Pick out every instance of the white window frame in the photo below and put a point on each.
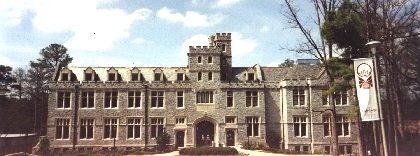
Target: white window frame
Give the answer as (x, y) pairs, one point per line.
(343, 123)
(232, 99)
(178, 98)
(155, 104)
(204, 97)
(341, 98)
(253, 122)
(300, 122)
(250, 96)
(158, 123)
(136, 97)
(89, 104)
(62, 100)
(230, 119)
(300, 94)
(110, 99)
(134, 123)
(88, 123)
(111, 122)
(62, 123)
(180, 120)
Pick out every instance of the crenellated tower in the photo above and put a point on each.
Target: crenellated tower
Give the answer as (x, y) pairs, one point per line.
(213, 62)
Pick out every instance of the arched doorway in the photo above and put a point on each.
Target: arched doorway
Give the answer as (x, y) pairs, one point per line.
(230, 138)
(180, 139)
(204, 133)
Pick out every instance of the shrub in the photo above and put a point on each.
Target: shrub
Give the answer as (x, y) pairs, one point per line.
(253, 145)
(162, 140)
(209, 151)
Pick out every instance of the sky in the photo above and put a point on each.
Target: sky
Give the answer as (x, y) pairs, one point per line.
(144, 33)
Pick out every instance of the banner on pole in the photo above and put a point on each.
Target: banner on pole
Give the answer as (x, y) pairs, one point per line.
(366, 89)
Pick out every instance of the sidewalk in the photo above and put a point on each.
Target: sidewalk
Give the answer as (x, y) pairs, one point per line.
(249, 152)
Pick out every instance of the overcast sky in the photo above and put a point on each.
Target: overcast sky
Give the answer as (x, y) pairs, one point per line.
(146, 33)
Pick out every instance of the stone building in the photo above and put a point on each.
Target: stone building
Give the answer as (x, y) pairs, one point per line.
(207, 103)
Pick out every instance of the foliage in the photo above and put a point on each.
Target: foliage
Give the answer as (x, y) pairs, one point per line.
(6, 76)
(344, 28)
(254, 145)
(209, 151)
(162, 140)
(287, 63)
(44, 146)
(273, 139)
(285, 151)
(52, 55)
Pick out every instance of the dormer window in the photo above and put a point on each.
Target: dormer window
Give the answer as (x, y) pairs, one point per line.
(112, 74)
(210, 59)
(199, 59)
(157, 76)
(251, 77)
(89, 74)
(64, 76)
(135, 74)
(88, 77)
(180, 76)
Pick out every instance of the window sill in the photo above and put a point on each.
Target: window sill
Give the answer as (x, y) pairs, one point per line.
(134, 139)
(110, 108)
(63, 108)
(86, 139)
(87, 108)
(134, 108)
(157, 107)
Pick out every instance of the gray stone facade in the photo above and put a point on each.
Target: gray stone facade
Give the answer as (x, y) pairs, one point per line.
(274, 108)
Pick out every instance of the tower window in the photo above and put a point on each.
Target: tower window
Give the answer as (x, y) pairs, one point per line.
(223, 47)
(199, 59)
(199, 76)
(210, 76)
(210, 59)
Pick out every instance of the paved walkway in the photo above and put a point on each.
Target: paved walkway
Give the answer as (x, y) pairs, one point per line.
(249, 152)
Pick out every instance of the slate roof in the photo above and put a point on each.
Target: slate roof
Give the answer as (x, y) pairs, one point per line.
(299, 71)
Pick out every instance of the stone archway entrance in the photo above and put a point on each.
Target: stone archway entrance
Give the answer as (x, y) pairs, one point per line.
(204, 134)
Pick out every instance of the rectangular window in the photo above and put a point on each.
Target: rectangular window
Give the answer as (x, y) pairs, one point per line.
(157, 76)
(180, 99)
(180, 120)
(157, 99)
(343, 126)
(327, 122)
(110, 128)
(86, 129)
(134, 99)
(229, 98)
(252, 126)
(88, 99)
(180, 76)
(251, 99)
(62, 129)
(205, 97)
(156, 127)
(133, 128)
(298, 97)
(210, 76)
(63, 99)
(327, 149)
(305, 148)
(230, 119)
(300, 126)
(111, 77)
(111, 99)
(341, 97)
(88, 77)
(250, 77)
(134, 76)
(199, 76)
(64, 77)
(297, 148)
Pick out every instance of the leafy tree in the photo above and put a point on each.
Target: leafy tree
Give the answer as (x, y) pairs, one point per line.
(6, 77)
(287, 63)
(52, 55)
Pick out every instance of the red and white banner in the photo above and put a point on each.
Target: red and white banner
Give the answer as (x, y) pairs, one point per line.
(366, 89)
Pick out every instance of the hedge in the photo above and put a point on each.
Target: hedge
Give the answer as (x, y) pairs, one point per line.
(209, 151)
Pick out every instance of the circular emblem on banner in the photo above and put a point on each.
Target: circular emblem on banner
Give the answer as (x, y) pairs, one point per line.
(364, 72)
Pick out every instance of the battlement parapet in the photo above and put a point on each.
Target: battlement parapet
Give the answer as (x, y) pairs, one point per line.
(204, 49)
(223, 36)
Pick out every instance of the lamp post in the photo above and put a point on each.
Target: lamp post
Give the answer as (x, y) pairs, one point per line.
(372, 45)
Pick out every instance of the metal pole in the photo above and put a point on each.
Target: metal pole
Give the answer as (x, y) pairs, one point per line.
(373, 45)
